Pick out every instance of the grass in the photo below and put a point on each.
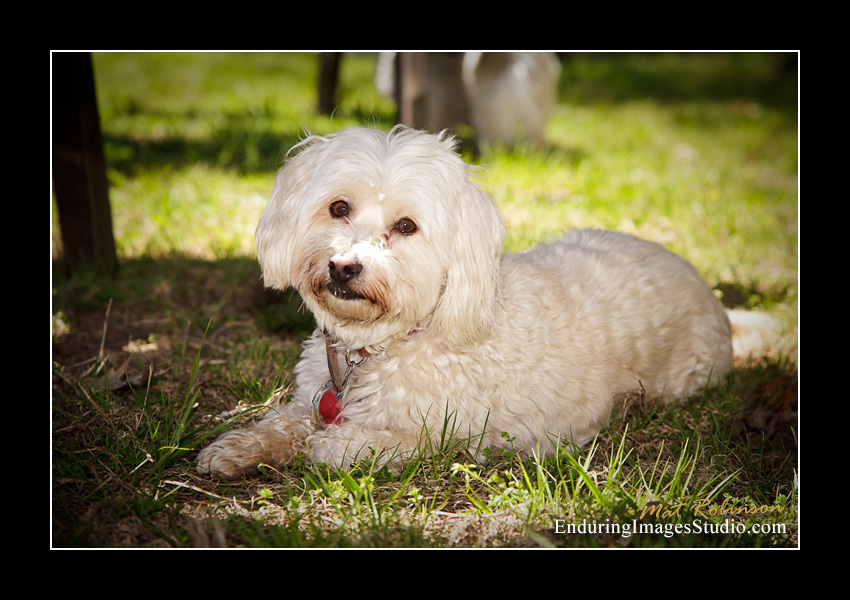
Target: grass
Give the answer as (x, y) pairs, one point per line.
(697, 151)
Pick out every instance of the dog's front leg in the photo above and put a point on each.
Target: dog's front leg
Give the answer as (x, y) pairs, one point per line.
(341, 445)
(273, 441)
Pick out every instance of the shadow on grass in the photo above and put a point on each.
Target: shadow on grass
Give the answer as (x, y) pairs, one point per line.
(243, 143)
(168, 296)
(769, 79)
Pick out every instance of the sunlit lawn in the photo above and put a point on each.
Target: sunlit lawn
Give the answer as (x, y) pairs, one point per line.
(194, 140)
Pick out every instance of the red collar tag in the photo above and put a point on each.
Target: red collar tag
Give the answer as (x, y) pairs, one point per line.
(329, 406)
(325, 405)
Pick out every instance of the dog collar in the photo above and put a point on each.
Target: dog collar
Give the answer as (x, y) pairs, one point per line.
(326, 400)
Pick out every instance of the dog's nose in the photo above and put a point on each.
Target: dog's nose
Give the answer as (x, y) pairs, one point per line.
(343, 269)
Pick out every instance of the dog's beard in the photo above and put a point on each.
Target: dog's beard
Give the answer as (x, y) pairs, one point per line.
(366, 310)
(362, 300)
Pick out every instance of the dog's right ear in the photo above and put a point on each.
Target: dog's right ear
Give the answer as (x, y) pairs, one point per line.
(274, 239)
(286, 214)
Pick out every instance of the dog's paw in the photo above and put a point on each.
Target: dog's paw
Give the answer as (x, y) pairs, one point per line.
(237, 454)
(232, 456)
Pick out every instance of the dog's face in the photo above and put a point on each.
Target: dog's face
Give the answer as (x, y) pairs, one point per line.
(383, 234)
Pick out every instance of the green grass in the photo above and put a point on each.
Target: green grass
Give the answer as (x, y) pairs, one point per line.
(697, 151)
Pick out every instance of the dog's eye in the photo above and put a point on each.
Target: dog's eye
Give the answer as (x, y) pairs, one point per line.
(406, 226)
(340, 209)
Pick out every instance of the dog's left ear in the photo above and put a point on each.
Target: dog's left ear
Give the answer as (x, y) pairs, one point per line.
(466, 311)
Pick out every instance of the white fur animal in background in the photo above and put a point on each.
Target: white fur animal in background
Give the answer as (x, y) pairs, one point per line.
(507, 97)
(511, 94)
(398, 254)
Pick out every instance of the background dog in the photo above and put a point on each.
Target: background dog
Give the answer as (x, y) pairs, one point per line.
(507, 97)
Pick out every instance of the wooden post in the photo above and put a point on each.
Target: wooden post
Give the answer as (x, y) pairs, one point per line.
(328, 74)
(79, 169)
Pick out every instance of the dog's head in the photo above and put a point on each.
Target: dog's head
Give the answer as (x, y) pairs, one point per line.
(382, 234)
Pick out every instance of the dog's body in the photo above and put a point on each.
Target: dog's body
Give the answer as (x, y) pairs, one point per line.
(397, 253)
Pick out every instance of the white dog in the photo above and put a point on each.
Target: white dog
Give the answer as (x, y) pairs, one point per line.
(422, 321)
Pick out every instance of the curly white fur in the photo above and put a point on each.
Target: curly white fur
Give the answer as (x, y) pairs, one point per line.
(537, 344)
